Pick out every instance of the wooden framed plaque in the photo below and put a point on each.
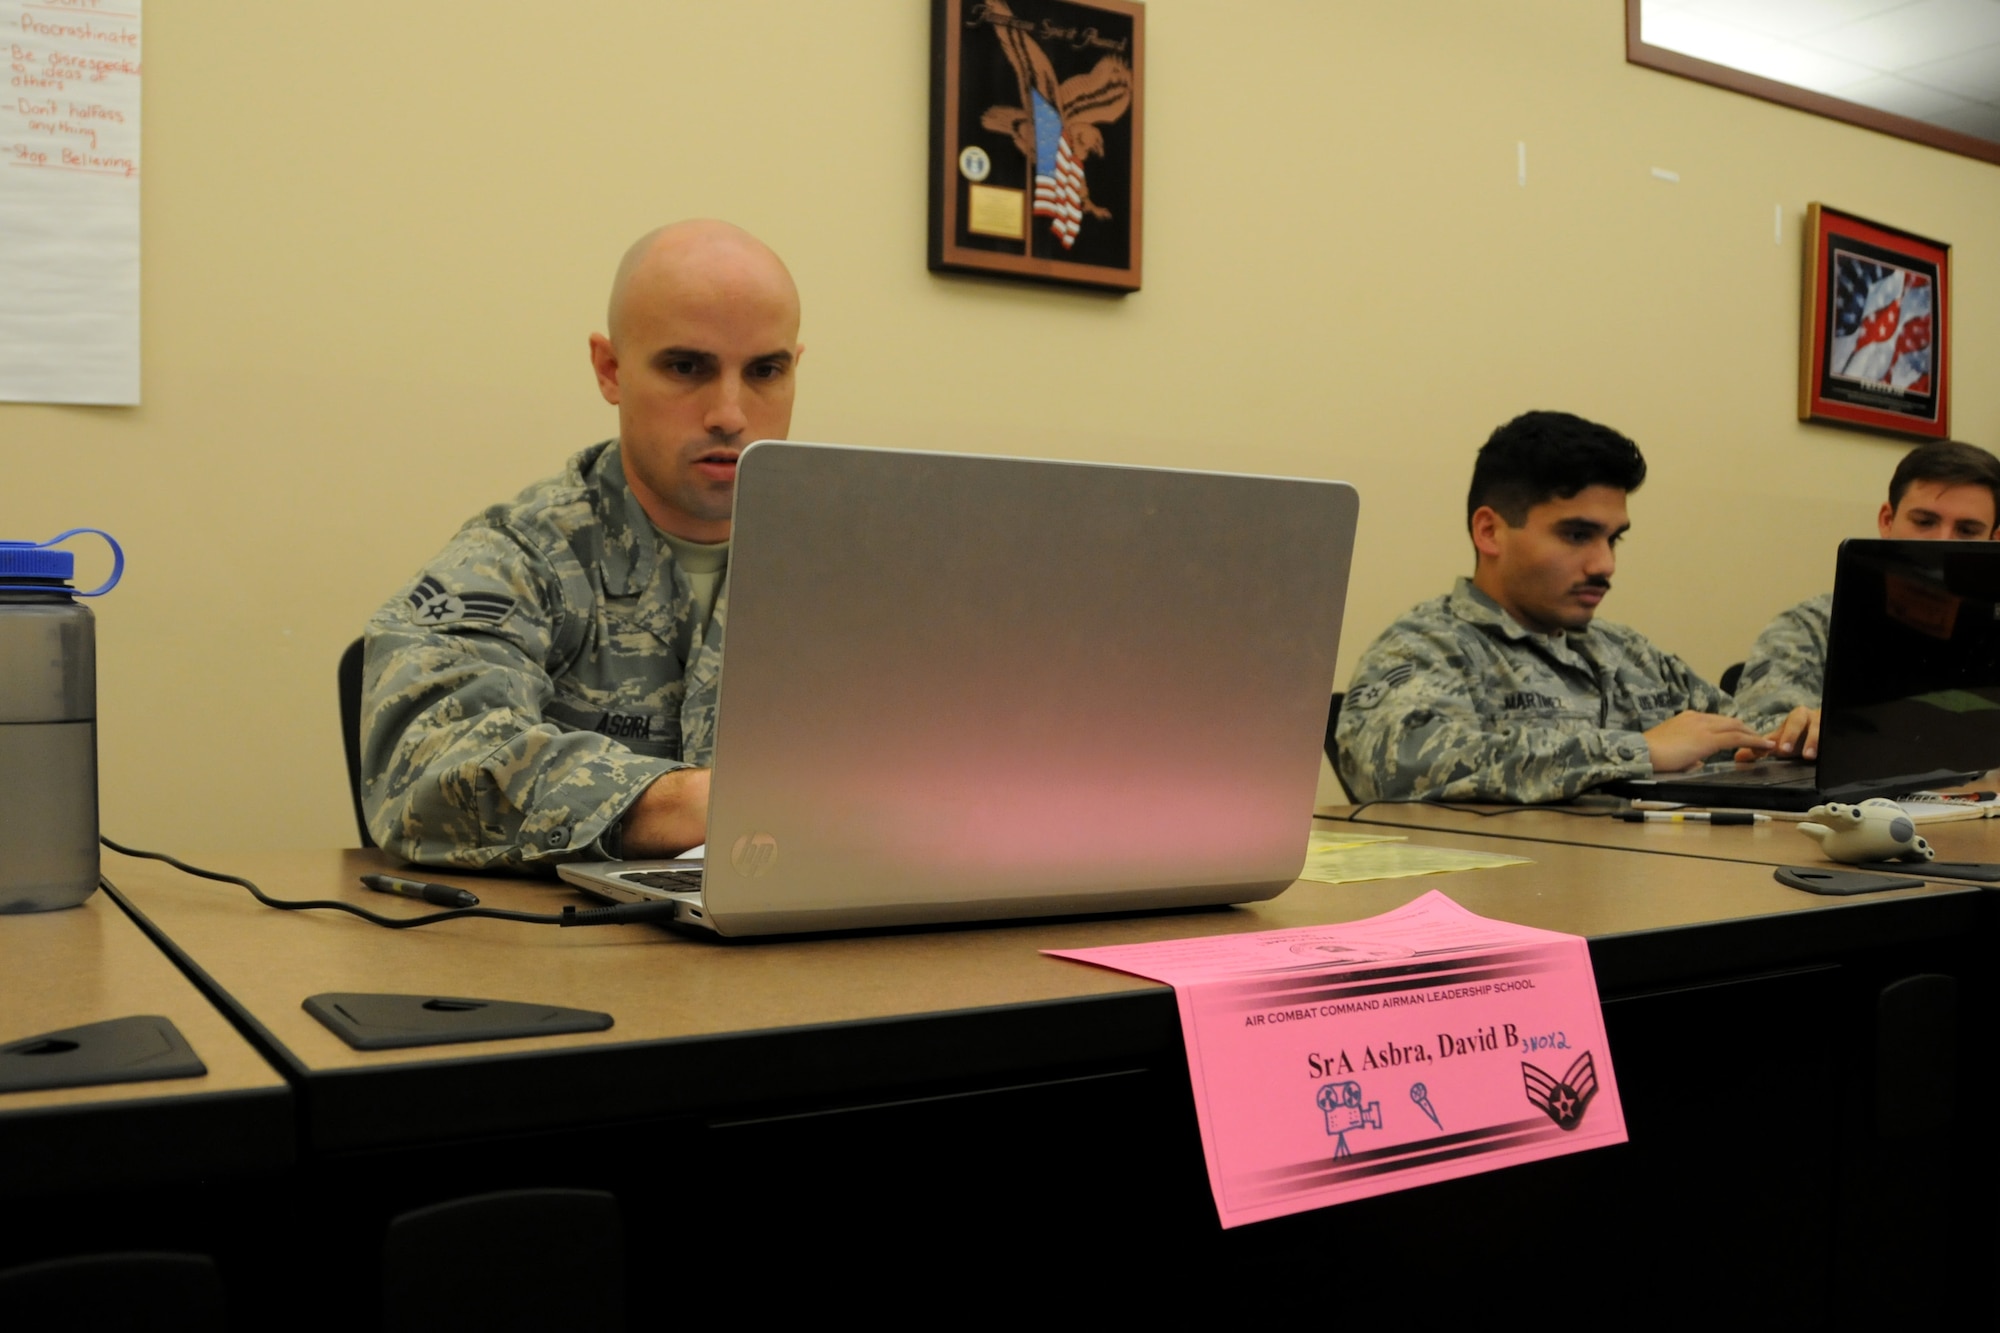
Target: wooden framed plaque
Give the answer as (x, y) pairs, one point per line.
(1037, 136)
(1875, 346)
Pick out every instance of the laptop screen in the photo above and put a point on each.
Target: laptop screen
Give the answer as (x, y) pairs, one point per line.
(1913, 665)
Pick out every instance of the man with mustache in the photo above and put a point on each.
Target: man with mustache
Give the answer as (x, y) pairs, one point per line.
(545, 688)
(1507, 688)
(1941, 491)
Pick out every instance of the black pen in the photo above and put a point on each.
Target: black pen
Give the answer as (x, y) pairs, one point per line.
(441, 894)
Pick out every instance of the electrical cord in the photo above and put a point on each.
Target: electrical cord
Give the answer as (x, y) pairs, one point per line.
(654, 912)
(619, 915)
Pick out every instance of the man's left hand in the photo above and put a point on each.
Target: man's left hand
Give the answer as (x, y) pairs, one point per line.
(1797, 737)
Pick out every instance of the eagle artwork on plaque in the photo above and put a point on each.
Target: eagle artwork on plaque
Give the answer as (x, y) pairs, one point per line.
(1055, 124)
(1036, 139)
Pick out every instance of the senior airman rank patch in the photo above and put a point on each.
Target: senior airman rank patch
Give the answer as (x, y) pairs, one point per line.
(1564, 1099)
(430, 604)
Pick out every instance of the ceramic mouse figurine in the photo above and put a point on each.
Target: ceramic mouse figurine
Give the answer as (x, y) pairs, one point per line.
(1875, 830)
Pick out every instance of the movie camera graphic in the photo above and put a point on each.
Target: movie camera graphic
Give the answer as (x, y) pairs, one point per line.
(1346, 1113)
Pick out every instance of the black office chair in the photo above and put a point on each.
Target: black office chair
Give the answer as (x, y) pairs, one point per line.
(1333, 749)
(535, 1258)
(1730, 675)
(349, 679)
(179, 1292)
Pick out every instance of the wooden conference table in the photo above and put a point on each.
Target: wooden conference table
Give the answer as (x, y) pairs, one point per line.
(1776, 843)
(1966, 1012)
(952, 1107)
(158, 1164)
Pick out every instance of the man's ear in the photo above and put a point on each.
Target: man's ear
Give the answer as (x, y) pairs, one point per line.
(1486, 526)
(604, 361)
(1884, 518)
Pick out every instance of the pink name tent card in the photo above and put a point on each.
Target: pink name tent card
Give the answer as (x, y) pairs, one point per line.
(1336, 1062)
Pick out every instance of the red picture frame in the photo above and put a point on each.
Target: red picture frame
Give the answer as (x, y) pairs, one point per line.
(1875, 343)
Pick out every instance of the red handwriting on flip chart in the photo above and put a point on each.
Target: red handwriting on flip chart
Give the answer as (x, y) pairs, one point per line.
(71, 98)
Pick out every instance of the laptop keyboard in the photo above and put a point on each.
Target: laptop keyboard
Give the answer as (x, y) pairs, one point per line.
(1758, 773)
(673, 881)
(1779, 773)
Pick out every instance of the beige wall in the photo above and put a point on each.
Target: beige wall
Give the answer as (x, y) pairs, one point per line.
(377, 235)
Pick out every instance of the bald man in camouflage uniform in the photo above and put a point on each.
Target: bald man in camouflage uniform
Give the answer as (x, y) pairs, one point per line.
(1941, 491)
(545, 688)
(1506, 689)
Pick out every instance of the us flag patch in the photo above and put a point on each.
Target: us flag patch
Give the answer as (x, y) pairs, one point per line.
(432, 605)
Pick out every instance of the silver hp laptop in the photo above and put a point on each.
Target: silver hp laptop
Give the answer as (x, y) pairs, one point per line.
(962, 688)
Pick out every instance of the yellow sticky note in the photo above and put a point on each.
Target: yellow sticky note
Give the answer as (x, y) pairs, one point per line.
(1348, 862)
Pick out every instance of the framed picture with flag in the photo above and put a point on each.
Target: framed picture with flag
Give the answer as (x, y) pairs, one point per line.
(1875, 349)
(1037, 136)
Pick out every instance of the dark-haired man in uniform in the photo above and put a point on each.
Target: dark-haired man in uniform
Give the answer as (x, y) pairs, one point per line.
(1508, 688)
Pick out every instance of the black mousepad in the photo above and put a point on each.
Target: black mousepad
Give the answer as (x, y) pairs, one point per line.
(376, 1022)
(119, 1050)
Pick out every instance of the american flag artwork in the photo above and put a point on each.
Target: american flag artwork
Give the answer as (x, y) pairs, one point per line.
(1881, 325)
(1058, 175)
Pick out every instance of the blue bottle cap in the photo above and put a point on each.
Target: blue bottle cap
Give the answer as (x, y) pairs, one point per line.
(24, 561)
(30, 560)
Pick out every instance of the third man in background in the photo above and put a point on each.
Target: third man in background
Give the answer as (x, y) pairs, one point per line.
(1942, 491)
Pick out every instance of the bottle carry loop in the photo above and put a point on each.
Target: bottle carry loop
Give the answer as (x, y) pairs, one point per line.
(117, 564)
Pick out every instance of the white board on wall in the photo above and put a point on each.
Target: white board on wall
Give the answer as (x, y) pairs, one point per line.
(69, 201)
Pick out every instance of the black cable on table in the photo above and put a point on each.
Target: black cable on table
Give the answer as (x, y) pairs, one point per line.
(621, 914)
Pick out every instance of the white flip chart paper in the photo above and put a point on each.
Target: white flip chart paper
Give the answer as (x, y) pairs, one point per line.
(69, 201)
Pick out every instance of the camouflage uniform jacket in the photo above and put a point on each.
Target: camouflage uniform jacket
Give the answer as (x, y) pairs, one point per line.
(1786, 668)
(523, 690)
(1457, 701)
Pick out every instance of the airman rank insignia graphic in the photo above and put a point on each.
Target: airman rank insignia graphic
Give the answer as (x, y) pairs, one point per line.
(431, 605)
(1565, 1100)
(1366, 696)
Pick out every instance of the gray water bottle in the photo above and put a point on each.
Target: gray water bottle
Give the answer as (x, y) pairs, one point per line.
(48, 727)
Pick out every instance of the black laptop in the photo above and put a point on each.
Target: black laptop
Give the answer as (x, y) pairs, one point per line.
(1912, 695)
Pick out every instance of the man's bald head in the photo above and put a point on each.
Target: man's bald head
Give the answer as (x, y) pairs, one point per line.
(702, 348)
(695, 257)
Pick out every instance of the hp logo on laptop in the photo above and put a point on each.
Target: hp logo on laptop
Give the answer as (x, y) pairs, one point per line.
(753, 854)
